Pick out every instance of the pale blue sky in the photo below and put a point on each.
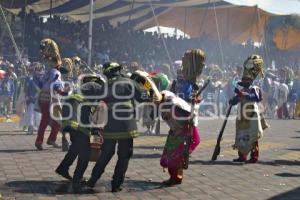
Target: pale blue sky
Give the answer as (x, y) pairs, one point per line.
(277, 6)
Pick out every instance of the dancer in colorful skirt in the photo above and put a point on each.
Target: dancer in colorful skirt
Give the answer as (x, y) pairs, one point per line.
(250, 122)
(174, 150)
(177, 110)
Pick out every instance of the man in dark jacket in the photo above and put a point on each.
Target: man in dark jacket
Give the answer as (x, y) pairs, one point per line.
(80, 131)
(121, 126)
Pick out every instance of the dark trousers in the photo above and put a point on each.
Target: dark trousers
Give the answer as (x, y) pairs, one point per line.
(125, 150)
(80, 147)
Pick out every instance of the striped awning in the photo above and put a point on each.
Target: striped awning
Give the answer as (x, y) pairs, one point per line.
(195, 17)
(116, 11)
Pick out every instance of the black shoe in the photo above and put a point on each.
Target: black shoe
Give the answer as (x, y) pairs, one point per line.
(116, 189)
(252, 161)
(90, 183)
(39, 147)
(77, 189)
(239, 160)
(172, 182)
(65, 145)
(54, 144)
(64, 174)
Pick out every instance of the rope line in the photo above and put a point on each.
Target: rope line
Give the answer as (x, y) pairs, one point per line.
(219, 37)
(162, 37)
(13, 39)
(263, 38)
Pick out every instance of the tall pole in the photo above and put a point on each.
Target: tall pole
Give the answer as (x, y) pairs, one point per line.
(12, 39)
(51, 5)
(184, 29)
(263, 35)
(219, 37)
(91, 32)
(10, 34)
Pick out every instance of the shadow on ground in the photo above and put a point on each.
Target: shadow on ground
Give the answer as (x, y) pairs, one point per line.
(12, 132)
(52, 188)
(146, 156)
(142, 185)
(152, 135)
(16, 150)
(209, 162)
(296, 137)
(294, 149)
(15, 134)
(290, 195)
(287, 175)
(224, 162)
(49, 188)
(149, 147)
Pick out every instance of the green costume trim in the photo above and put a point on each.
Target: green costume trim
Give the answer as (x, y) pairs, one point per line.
(75, 126)
(173, 141)
(121, 135)
(123, 103)
(163, 81)
(76, 97)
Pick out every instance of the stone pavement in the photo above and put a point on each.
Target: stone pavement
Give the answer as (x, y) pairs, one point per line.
(29, 174)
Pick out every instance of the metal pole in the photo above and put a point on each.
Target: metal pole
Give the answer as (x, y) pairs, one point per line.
(19, 56)
(10, 34)
(51, 8)
(263, 36)
(184, 29)
(132, 6)
(91, 32)
(219, 37)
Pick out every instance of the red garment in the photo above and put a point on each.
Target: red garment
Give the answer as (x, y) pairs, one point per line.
(45, 121)
(173, 154)
(242, 157)
(254, 153)
(173, 158)
(176, 174)
(152, 73)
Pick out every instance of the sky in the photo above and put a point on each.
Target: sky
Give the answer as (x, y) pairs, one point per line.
(276, 6)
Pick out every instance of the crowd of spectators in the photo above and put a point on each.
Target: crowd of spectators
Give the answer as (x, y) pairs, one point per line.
(122, 43)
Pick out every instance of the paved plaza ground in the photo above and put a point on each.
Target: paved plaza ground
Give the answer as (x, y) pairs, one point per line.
(26, 173)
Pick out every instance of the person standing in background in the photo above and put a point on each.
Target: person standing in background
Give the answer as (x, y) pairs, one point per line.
(282, 97)
(297, 90)
(31, 89)
(7, 91)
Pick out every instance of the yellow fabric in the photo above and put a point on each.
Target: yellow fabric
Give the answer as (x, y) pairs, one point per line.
(49, 49)
(248, 126)
(192, 64)
(238, 24)
(147, 85)
(287, 38)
